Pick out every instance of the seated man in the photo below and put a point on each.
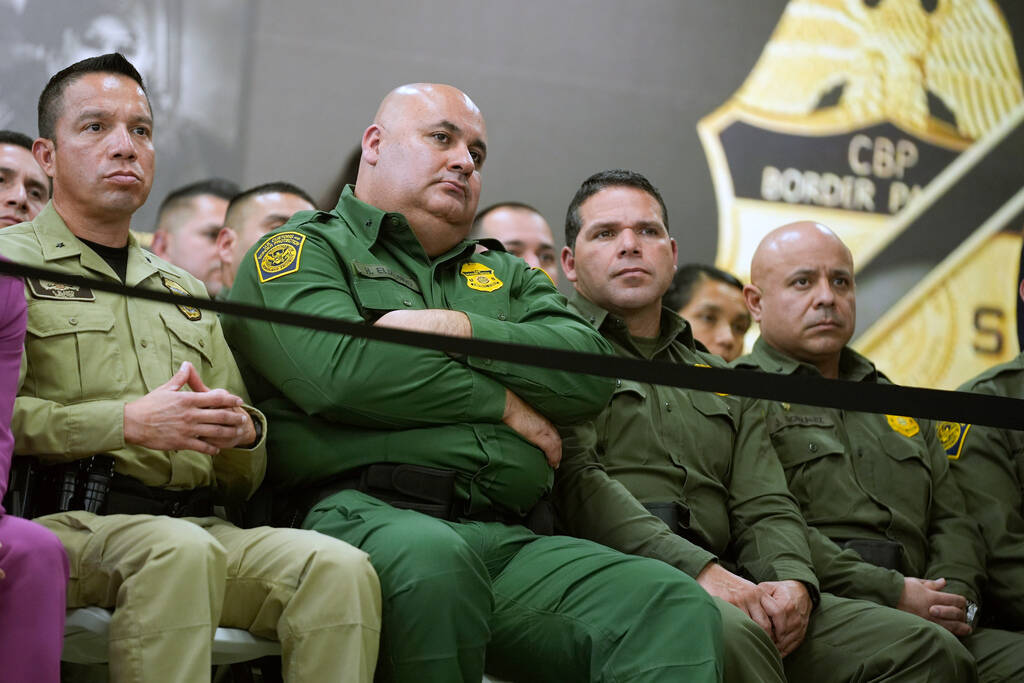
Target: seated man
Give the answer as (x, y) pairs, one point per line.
(711, 300)
(251, 215)
(24, 188)
(187, 224)
(718, 511)
(875, 484)
(135, 460)
(523, 232)
(988, 464)
(33, 564)
(430, 461)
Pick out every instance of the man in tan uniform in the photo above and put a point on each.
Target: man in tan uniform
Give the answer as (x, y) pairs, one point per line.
(136, 460)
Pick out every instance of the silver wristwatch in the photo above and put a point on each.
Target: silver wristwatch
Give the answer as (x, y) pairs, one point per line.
(972, 613)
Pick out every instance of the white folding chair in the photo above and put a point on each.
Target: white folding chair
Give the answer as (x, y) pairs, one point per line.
(86, 631)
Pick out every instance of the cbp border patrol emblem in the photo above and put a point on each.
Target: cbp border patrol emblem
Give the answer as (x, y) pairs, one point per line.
(190, 312)
(851, 112)
(907, 426)
(952, 436)
(480, 277)
(279, 255)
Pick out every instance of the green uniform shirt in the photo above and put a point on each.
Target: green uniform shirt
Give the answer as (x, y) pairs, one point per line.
(337, 402)
(87, 353)
(869, 476)
(657, 444)
(988, 464)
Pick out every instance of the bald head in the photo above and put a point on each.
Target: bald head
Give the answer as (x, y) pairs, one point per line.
(421, 158)
(802, 293)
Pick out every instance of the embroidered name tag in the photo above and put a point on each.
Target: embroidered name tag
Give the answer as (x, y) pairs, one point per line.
(190, 312)
(377, 270)
(45, 289)
(279, 255)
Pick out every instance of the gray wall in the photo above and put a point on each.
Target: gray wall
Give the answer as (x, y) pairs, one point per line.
(567, 88)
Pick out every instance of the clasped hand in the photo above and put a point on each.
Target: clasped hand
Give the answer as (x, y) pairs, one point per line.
(203, 419)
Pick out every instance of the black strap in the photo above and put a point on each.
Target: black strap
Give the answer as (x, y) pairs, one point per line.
(868, 397)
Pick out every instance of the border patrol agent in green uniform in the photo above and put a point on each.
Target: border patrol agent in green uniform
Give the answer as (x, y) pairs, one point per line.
(988, 465)
(714, 501)
(430, 462)
(138, 463)
(875, 484)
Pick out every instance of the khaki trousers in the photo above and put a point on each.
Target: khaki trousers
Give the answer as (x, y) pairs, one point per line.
(171, 582)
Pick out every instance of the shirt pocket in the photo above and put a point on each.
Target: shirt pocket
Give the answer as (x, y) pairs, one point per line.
(814, 460)
(714, 434)
(375, 297)
(903, 476)
(190, 340)
(73, 352)
(625, 421)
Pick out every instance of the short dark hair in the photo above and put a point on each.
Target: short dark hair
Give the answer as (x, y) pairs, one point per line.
(51, 99)
(686, 279)
(217, 187)
(616, 177)
(266, 188)
(479, 219)
(13, 137)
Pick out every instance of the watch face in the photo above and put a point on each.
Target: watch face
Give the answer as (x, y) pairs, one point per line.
(972, 612)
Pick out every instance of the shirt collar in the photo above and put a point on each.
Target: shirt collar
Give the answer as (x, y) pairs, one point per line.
(673, 328)
(852, 366)
(57, 242)
(372, 222)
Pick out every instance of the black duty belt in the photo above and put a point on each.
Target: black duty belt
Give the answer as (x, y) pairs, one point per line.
(429, 490)
(91, 484)
(887, 554)
(129, 496)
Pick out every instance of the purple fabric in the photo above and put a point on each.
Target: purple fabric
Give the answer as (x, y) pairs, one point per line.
(35, 566)
(12, 338)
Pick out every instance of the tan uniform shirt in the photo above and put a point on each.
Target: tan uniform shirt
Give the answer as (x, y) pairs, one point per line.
(88, 353)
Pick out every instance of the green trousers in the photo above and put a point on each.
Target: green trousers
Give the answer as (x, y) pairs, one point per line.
(535, 608)
(999, 653)
(856, 641)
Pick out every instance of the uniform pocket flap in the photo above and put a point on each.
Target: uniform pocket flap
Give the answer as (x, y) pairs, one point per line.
(628, 386)
(195, 335)
(385, 295)
(48, 320)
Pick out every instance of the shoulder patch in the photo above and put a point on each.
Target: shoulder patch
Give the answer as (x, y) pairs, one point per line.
(907, 426)
(47, 289)
(279, 255)
(480, 277)
(190, 312)
(547, 274)
(952, 436)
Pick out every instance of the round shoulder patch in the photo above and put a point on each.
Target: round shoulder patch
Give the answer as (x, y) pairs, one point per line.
(279, 255)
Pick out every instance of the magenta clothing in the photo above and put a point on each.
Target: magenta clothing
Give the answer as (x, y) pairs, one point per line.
(33, 590)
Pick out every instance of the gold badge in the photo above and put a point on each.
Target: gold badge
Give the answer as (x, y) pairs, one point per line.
(952, 436)
(190, 312)
(480, 277)
(279, 255)
(907, 426)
